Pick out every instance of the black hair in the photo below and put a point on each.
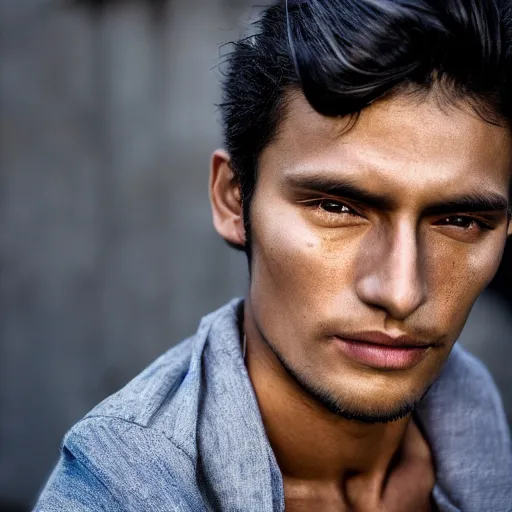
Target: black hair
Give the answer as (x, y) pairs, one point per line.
(345, 54)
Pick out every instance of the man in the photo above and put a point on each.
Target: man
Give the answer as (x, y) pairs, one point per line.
(367, 177)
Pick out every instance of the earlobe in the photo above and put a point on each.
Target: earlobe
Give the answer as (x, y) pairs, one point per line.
(226, 200)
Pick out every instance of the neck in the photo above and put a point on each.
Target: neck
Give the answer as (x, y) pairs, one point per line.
(310, 442)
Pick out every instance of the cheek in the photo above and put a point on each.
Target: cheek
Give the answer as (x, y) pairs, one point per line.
(456, 275)
(296, 266)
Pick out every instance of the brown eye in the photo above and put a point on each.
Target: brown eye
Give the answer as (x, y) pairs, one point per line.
(331, 213)
(460, 221)
(334, 207)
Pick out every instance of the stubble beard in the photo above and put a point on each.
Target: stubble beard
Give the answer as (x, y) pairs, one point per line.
(334, 404)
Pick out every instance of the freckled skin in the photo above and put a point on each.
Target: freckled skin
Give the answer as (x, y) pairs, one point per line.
(313, 273)
(321, 268)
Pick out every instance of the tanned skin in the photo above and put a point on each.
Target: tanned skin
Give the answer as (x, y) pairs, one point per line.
(407, 254)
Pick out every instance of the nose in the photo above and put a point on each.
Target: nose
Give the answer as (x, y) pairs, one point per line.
(390, 273)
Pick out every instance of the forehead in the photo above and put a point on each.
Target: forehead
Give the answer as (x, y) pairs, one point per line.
(408, 145)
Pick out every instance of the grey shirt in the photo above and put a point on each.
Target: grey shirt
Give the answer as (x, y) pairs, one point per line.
(187, 435)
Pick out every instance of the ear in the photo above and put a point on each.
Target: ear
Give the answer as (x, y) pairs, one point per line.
(226, 200)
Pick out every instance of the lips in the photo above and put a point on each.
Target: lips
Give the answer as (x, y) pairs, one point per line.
(380, 351)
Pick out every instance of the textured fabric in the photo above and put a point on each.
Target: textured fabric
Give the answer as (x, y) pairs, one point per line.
(187, 435)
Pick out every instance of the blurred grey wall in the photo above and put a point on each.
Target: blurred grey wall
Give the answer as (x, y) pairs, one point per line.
(108, 256)
(107, 253)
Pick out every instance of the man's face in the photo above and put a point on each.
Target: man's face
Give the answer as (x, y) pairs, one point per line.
(392, 228)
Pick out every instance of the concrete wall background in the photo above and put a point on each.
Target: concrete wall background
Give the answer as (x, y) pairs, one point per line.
(107, 253)
(108, 256)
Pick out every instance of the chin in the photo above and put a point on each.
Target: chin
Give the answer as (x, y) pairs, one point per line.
(369, 412)
(369, 407)
(380, 401)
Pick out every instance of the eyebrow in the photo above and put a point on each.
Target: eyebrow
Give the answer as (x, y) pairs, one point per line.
(341, 188)
(479, 202)
(471, 203)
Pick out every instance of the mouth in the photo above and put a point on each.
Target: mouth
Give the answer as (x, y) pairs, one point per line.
(382, 352)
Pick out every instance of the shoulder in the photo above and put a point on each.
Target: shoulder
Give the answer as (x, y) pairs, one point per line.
(113, 449)
(162, 401)
(143, 398)
(109, 463)
(138, 447)
(172, 383)
(122, 451)
(132, 442)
